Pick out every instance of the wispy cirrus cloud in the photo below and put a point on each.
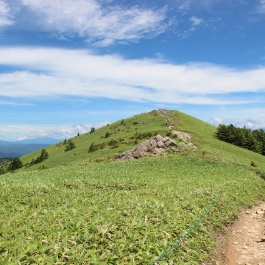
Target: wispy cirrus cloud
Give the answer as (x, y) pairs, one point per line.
(196, 21)
(261, 7)
(101, 25)
(13, 103)
(45, 72)
(5, 15)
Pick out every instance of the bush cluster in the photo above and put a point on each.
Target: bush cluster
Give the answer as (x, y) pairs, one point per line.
(70, 145)
(94, 147)
(15, 164)
(43, 156)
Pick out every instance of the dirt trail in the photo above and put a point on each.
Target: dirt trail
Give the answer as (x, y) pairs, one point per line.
(245, 239)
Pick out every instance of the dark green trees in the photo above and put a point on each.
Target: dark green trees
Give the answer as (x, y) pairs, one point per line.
(15, 164)
(260, 136)
(243, 137)
(44, 155)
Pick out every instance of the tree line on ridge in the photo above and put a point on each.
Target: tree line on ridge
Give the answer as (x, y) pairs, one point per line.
(242, 137)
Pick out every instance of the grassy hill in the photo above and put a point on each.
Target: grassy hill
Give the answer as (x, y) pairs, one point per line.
(85, 209)
(125, 134)
(121, 136)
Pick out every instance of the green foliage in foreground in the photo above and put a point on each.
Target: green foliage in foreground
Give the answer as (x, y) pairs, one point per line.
(120, 213)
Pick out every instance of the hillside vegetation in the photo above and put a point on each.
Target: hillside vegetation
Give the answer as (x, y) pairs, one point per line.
(112, 139)
(88, 208)
(122, 135)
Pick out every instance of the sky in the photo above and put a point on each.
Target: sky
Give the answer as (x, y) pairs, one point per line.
(68, 65)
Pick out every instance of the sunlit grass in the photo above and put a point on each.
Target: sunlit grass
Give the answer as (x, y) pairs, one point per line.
(120, 213)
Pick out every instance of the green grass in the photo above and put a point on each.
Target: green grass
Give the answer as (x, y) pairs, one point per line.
(144, 126)
(211, 147)
(80, 211)
(126, 212)
(149, 123)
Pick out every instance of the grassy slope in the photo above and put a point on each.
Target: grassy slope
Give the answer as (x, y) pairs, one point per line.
(204, 137)
(125, 212)
(123, 133)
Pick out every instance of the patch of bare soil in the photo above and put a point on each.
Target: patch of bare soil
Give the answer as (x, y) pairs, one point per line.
(244, 241)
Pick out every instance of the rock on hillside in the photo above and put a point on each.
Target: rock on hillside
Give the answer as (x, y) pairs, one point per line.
(155, 146)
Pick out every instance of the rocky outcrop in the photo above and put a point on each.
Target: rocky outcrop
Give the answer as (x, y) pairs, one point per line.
(155, 146)
(182, 135)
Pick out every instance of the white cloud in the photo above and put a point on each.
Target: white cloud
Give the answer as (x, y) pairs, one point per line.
(186, 5)
(103, 25)
(13, 103)
(196, 21)
(28, 131)
(21, 138)
(184, 8)
(80, 128)
(252, 118)
(249, 125)
(49, 72)
(5, 14)
(261, 7)
(217, 120)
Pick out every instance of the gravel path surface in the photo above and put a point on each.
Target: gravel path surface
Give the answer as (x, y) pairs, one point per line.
(245, 239)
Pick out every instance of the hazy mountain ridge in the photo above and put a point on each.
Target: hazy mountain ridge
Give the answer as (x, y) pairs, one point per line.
(20, 148)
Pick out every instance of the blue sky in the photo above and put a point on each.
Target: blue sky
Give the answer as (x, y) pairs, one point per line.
(68, 65)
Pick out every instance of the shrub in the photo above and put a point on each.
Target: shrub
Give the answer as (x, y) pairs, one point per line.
(15, 164)
(92, 130)
(113, 143)
(93, 147)
(107, 134)
(2, 170)
(123, 122)
(169, 134)
(69, 146)
(44, 155)
(103, 145)
(43, 167)
(253, 164)
(116, 145)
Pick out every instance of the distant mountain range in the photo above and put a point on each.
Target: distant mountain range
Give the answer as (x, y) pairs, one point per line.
(20, 148)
